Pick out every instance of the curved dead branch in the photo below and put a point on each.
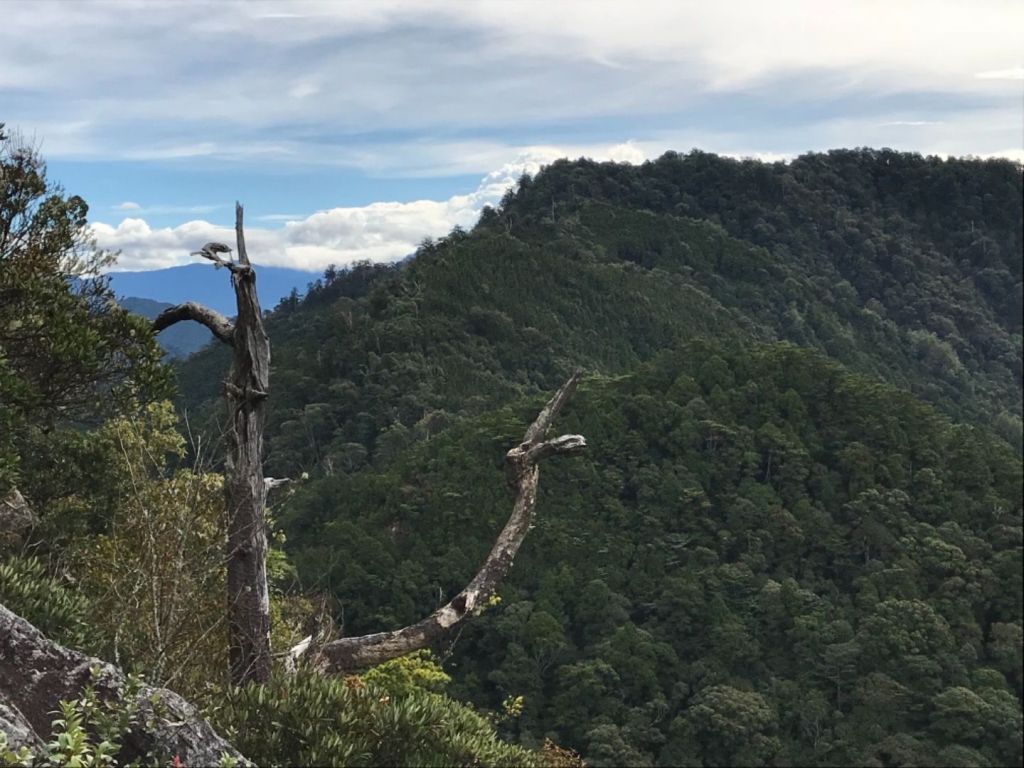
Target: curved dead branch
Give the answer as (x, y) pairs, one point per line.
(351, 653)
(219, 325)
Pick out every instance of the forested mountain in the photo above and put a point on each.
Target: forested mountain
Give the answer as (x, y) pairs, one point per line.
(763, 560)
(769, 556)
(795, 537)
(858, 254)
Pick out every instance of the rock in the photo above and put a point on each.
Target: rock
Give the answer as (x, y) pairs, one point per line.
(16, 516)
(19, 733)
(37, 673)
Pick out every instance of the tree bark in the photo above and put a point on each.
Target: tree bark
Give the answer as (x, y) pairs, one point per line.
(349, 654)
(219, 325)
(245, 391)
(37, 673)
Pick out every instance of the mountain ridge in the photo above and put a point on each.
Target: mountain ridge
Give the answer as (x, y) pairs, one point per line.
(196, 282)
(800, 508)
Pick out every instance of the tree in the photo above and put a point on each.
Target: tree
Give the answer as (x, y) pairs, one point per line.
(727, 726)
(68, 353)
(246, 391)
(155, 574)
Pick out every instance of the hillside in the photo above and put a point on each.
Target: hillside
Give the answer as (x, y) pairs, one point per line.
(796, 538)
(855, 254)
(347, 420)
(763, 560)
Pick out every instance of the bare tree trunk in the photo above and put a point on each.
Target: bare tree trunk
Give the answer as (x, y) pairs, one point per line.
(37, 673)
(246, 392)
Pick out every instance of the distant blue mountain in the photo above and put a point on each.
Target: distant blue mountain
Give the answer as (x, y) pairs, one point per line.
(178, 341)
(209, 286)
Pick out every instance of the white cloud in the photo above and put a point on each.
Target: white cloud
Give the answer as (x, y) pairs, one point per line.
(143, 247)
(1016, 73)
(378, 232)
(303, 90)
(128, 205)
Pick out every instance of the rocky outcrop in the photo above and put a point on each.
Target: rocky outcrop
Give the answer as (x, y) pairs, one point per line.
(16, 517)
(37, 673)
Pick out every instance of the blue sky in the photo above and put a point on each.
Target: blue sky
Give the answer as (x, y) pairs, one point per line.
(355, 129)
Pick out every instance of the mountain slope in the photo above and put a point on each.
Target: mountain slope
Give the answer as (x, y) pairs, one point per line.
(761, 558)
(765, 548)
(599, 266)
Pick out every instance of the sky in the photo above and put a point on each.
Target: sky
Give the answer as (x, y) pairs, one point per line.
(354, 130)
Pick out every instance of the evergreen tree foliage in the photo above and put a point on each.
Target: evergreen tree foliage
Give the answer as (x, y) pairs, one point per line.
(863, 255)
(805, 567)
(68, 353)
(768, 556)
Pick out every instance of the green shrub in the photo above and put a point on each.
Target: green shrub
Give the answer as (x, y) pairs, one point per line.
(44, 601)
(310, 719)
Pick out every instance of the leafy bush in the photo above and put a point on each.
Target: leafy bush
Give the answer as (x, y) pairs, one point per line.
(386, 718)
(28, 589)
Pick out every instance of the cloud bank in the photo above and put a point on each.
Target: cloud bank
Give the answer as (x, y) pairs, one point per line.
(378, 232)
(144, 81)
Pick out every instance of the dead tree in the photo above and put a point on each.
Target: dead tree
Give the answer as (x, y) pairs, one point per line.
(246, 488)
(246, 392)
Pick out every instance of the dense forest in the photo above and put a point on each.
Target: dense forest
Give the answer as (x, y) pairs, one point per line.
(795, 537)
(857, 254)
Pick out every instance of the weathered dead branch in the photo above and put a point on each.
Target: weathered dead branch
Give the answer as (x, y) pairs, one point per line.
(351, 653)
(219, 325)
